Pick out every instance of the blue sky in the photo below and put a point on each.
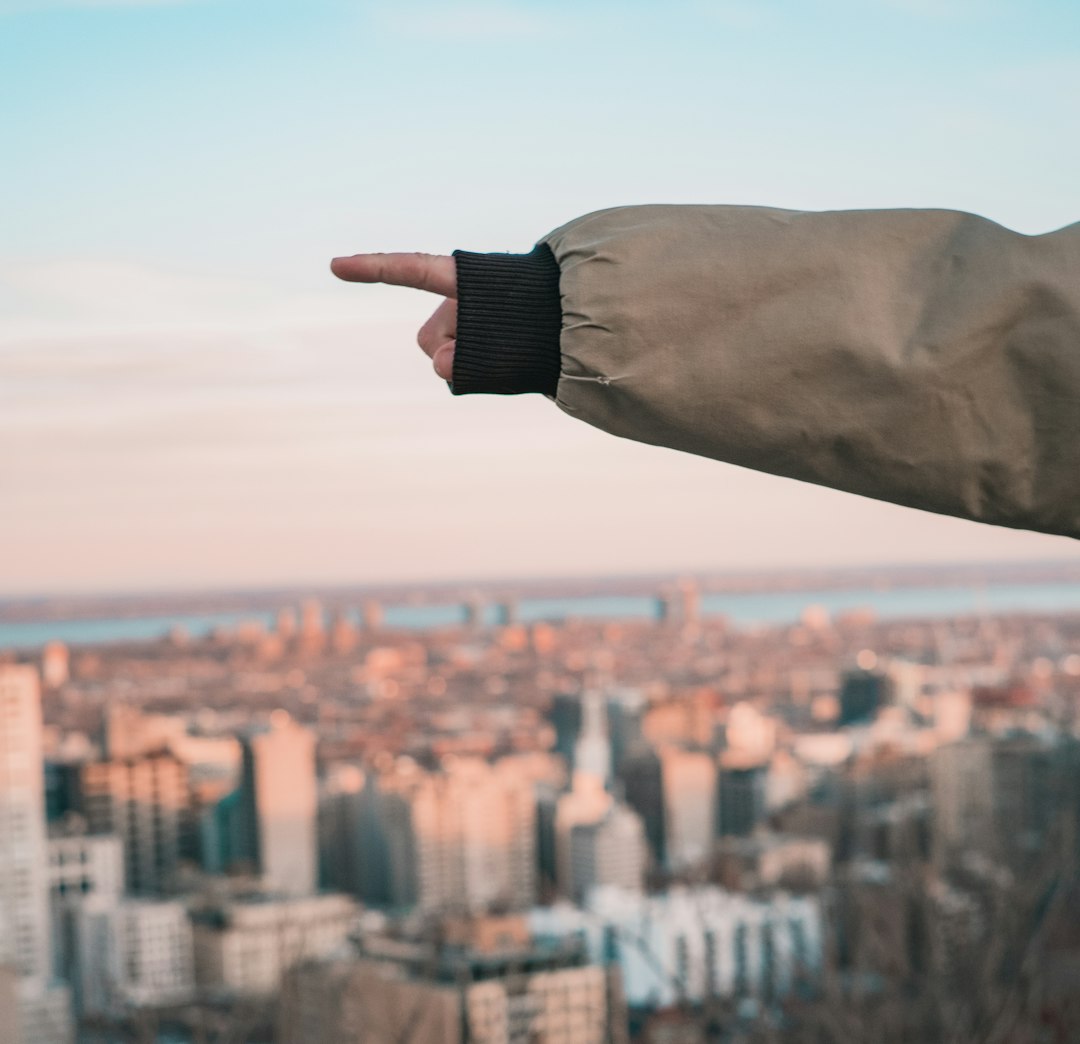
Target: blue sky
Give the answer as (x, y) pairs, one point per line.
(186, 398)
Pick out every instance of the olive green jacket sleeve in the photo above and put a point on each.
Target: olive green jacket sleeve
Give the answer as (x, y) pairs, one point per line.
(928, 358)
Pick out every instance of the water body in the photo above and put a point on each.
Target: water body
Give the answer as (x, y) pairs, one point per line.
(745, 610)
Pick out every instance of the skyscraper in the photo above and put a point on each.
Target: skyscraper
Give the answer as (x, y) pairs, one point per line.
(689, 806)
(44, 1012)
(143, 800)
(279, 805)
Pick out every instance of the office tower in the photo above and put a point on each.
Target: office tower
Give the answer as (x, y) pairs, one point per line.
(565, 717)
(592, 751)
(80, 865)
(642, 781)
(144, 800)
(473, 836)
(610, 851)
(741, 798)
(425, 994)
(55, 665)
(132, 954)
(862, 694)
(995, 796)
(961, 781)
(279, 805)
(43, 1015)
(341, 800)
(586, 803)
(748, 733)
(689, 780)
(244, 945)
(625, 714)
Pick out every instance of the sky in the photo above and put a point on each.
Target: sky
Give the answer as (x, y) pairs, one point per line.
(189, 400)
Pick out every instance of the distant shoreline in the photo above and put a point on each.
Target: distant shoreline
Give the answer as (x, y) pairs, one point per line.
(950, 598)
(134, 605)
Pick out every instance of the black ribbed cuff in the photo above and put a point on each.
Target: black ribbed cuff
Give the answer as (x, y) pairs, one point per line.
(508, 323)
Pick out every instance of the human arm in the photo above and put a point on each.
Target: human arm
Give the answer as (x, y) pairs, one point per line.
(928, 358)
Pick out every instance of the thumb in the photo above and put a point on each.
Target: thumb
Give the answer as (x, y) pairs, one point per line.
(432, 272)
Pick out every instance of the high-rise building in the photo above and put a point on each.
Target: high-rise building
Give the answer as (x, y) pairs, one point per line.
(430, 995)
(55, 662)
(689, 779)
(592, 751)
(741, 798)
(565, 717)
(460, 839)
(279, 805)
(610, 851)
(44, 1015)
(80, 865)
(133, 954)
(144, 800)
(244, 945)
(641, 776)
(474, 838)
(995, 796)
(862, 694)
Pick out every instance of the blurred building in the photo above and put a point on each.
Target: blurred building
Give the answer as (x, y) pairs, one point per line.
(993, 795)
(130, 733)
(862, 694)
(38, 1010)
(689, 781)
(136, 953)
(430, 993)
(473, 833)
(144, 800)
(80, 865)
(245, 944)
(773, 860)
(741, 798)
(642, 781)
(279, 805)
(693, 944)
(610, 851)
(55, 665)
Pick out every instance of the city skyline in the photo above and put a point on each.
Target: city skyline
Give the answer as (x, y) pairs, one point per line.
(189, 400)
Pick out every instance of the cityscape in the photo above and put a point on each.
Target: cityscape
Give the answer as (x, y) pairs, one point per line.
(337, 822)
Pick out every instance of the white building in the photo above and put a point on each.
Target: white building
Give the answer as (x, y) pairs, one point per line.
(44, 1009)
(689, 782)
(608, 850)
(133, 954)
(280, 800)
(586, 804)
(80, 866)
(694, 943)
(466, 835)
(244, 946)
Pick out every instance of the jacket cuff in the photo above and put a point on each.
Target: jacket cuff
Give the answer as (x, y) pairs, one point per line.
(508, 323)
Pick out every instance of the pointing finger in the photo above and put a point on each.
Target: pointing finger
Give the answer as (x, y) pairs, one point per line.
(435, 273)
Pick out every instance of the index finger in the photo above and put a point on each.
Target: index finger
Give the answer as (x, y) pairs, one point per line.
(432, 272)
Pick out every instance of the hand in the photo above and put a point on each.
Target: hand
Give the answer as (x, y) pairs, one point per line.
(432, 272)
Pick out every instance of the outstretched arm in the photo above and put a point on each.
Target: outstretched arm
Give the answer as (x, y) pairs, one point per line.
(928, 358)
